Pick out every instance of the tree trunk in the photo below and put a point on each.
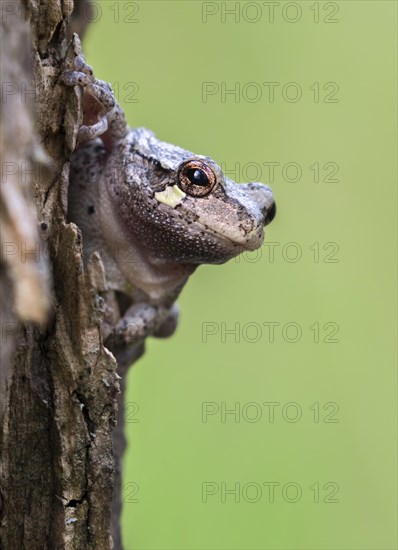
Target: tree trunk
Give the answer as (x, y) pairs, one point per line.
(59, 385)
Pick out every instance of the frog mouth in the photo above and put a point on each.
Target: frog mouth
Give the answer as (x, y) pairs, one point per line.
(228, 246)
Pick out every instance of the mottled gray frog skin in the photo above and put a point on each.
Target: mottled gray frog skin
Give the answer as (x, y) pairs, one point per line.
(154, 212)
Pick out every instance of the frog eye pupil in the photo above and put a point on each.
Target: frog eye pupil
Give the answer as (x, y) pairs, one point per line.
(197, 177)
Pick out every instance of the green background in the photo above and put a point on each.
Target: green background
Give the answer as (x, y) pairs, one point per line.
(167, 55)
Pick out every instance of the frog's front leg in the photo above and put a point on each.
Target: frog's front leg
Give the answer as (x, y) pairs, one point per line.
(102, 116)
(140, 321)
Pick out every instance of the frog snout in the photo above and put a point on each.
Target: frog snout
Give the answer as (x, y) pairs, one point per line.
(263, 198)
(250, 206)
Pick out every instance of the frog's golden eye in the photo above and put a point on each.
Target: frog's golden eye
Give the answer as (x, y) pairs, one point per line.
(196, 178)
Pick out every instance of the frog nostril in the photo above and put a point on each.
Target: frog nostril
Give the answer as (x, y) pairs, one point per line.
(270, 215)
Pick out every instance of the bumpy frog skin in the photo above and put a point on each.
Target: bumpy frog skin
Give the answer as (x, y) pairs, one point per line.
(153, 211)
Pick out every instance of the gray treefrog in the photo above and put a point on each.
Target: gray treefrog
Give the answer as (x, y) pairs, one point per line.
(153, 211)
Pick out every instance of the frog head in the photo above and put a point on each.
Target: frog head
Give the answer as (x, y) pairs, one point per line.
(181, 207)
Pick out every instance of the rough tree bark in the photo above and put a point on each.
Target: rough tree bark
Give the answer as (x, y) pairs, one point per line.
(59, 384)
